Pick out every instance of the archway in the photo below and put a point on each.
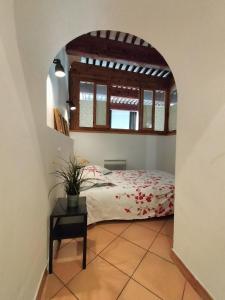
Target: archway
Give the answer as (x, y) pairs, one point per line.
(115, 83)
(139, 84)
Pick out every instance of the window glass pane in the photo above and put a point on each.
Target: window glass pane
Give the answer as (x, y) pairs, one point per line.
(124, 112)
(147, 109)
(120, 119)
(159, 110)
(86, 103)
(101, 100)
(173, 111)
(124, 119)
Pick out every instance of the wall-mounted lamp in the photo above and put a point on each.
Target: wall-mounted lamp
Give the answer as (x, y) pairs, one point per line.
(71, 105)
(59, 70)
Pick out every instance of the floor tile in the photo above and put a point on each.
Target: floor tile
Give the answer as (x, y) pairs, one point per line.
(139, 235)
(51, 287)
(115, 227)
(68, 261)
(153, 224)
(99, 238)
(190, 293)
(124, 255)
(161, 277)
(64, 242)
(64, 294)
(134, 291)
(168, 228)
(100, 281)
(162, 246)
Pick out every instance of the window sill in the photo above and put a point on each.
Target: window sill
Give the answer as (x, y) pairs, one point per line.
(123, 131)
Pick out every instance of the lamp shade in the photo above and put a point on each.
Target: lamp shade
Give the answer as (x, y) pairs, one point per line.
(59, 70)
(71, 105)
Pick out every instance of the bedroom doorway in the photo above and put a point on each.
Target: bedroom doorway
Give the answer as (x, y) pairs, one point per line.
(115, 95)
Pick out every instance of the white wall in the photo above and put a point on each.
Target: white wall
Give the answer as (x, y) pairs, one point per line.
(27, 151)
(140, 151)
(99, 146)
(166, 153)
(57, 90)
(190, 36)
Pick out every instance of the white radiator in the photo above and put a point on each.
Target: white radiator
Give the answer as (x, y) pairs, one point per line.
(115, 164)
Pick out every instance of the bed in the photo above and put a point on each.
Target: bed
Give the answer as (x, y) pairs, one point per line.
(127, 195)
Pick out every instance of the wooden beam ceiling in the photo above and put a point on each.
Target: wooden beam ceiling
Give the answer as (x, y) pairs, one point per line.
(105, 49)
(117, 77)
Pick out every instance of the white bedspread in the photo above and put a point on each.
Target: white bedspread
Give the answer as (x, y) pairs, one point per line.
(133, 195)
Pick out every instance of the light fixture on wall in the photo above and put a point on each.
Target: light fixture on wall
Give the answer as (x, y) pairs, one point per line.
(59, 70)
(71, 105)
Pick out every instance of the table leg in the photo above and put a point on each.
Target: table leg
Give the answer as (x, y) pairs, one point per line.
(50, 246)
(85, 243)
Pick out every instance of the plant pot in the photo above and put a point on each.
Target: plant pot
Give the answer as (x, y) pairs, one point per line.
(72, 201)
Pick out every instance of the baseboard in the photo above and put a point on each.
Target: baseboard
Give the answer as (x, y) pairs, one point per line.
(43, 278)
(41, 284)
(202, 292)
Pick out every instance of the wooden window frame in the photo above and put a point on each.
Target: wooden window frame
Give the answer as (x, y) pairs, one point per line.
(74, 90)
(169, 92)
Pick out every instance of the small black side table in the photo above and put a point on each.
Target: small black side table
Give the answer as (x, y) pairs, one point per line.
(68, 223)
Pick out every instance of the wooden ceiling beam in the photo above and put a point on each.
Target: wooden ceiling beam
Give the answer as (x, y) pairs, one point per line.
(117, 77)
(133, 39)
(125, 37)
(106, 49)
(107, 34)
(121, 65)
(142, 42)
(117, 36)
(139, 69)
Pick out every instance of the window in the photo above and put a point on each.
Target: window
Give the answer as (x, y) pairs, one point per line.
(101, 104)
(159, 110)
(113, 107)
(124, 119)
(120, 119)
(86, 104)
(124, 112)
(173, 111)
(147, 109)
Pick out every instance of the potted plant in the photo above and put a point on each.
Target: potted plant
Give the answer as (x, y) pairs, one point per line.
(71, 177)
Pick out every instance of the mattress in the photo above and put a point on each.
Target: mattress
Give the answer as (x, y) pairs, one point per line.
(127, 195)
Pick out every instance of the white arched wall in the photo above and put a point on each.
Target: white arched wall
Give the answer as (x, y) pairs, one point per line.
(189, 34)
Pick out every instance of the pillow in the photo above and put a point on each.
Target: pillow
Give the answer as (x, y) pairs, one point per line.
(106, 171)
(92, 171)
(96, 171)
(96, 175)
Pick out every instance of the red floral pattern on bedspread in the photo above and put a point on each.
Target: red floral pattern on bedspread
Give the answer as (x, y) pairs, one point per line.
(153, 193)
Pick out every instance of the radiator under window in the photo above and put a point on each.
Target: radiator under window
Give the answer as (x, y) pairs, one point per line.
(115, 164)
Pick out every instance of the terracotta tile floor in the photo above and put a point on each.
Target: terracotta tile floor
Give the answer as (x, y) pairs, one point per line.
(125, 261)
